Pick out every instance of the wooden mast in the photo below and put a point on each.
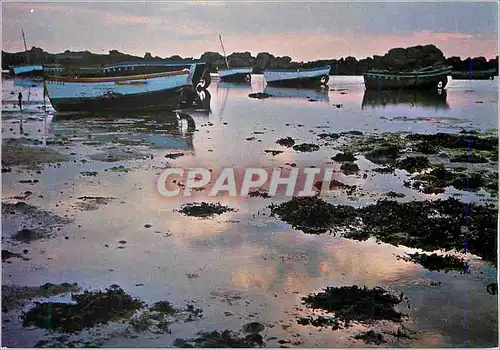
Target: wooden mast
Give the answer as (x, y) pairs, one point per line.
(223, 50)
(25, 47)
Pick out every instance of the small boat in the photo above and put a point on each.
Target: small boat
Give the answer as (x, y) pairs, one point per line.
(305, 77)
(235, 74)
(201, 77)
(433, 77)
(474, 75)
(26, 69)
(156, 90)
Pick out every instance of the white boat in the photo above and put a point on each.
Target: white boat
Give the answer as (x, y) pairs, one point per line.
(304, 77)
(158, 90)
(234, 75)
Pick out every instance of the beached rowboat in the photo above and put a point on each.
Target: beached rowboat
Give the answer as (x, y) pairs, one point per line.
(297, 77)
(201, 75)
(426, 78)
(234, 75)
(27, 70)
(242, 74)
(69, 94)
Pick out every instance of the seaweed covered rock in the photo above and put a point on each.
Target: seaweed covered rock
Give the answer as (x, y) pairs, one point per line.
(313, 214)
(224, 339)
(427, 225)
(352, 303)
(344, 157)
(286, 141)
(455, 141)
(371, 337)
(349, 168)
(413, 164)
(89, 309)
(204, 209)
(306, 147)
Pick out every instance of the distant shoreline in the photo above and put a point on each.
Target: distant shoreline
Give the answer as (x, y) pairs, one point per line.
(263, 60)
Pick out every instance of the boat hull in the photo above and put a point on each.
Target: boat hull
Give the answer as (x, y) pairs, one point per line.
(165, 99)
(407, 81)
(236, 75)
(27, 71)
(297, 78)
(162, 90)
(200, 78)
(473, 75)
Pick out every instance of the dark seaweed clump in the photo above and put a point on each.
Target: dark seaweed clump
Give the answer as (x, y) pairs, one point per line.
(454, 141)
(413, 164)
(173, 155)
(371, 337)
(468, 158)
(440, 178)
(331, 136)
(313, 214)
(259, 95)
(306, 147)
(351, 303)
(349, 168)
(433, 225)
(385, 153)
(204, 209)
(427, 225)
(344, 157)
(434, 262)
(91, 308)
(224, 339)
(287, 142)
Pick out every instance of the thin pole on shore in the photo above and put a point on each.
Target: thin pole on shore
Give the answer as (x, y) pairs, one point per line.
(224, 51)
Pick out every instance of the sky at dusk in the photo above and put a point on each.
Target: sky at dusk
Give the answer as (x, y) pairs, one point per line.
(305, 31)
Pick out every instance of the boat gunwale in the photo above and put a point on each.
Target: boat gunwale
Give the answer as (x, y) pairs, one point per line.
(298, 70)
(420, 73)
(116, 79)
(153, 64)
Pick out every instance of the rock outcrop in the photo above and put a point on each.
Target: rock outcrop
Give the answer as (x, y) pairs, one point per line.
(396, 59)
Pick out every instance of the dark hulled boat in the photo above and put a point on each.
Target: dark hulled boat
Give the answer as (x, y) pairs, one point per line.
(433, 77)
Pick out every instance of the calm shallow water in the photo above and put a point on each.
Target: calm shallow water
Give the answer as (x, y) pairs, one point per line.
(247, 253)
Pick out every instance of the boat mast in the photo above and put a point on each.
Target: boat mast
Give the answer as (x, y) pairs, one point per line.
(25, 47)
(223, 50)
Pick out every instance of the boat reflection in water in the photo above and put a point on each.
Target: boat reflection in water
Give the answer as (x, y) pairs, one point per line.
(197, 102)
(229, 85)
(429, 98)
(24, 82)
(301, 94)
(156, 129)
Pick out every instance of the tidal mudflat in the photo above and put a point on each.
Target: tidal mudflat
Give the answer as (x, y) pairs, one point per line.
(401, 251)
